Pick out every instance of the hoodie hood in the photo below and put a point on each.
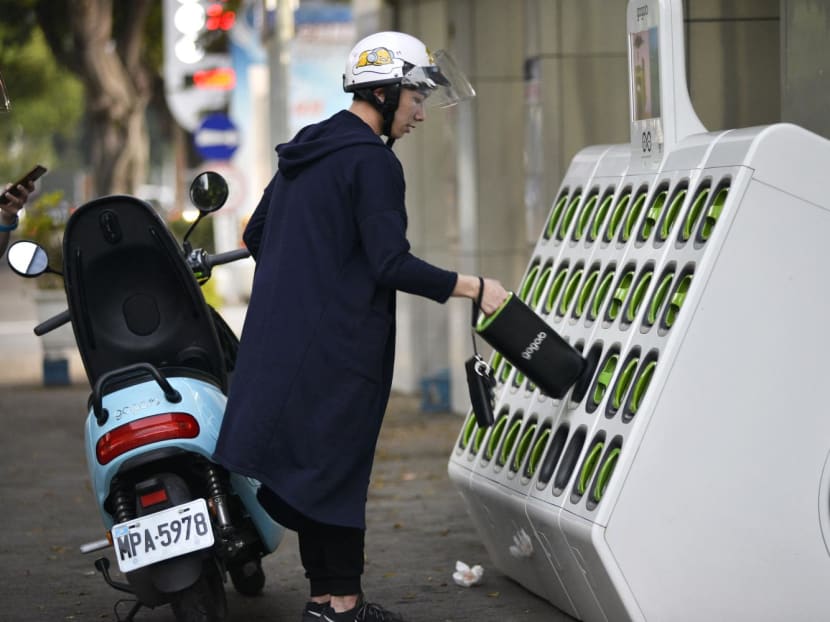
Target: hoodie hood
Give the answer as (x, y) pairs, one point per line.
(315, 142)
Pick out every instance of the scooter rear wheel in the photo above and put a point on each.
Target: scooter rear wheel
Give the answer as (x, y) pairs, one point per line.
(204, 601)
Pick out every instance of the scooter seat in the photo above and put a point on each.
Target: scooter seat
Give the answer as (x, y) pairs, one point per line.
(132, 296)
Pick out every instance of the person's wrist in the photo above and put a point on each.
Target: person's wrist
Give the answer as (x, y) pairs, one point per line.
(8, 221)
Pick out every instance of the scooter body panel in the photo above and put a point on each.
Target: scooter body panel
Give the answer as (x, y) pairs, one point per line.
(202, 400)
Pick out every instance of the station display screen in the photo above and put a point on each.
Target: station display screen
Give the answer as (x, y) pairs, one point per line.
(645, 74)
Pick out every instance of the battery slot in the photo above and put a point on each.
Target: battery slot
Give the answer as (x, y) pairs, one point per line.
(617, 215)
(528, 281)
(468, 431)
(695, 211)
(537, 451)
(525, 443)
(659, 297)
(585, 291)
(605, 374)
(496, 433)
(653, 212)
(714, 212)
(551, 461)
(604, 473)
(510, 439)
(584, 382)
(584, 218)
(677, 298)
(589, 467)
(570, 290)
(603, 288)
(602, 214)
(623, 383)
(555, 213)
(556, 287)
(569, 461)
(541, 284)
(672, 212)
(640, 386)
(568, 216)
(638, 295)
(633, 215)
(620, 293)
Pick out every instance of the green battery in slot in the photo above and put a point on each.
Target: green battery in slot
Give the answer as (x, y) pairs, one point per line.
(524, 447)
(537, 451)
(602, 292)
(589, 466)
(672, 213)
(555, 214)
(653, 214)
(570, 292)
(509, 441)
(585, 216)
(568, 217)
(604, 475)
(638, 295)
(495, 436)
(617, 216)
(527, 284)
(677, 300)
(633, 216)
(599, 220)
(657, 300)
(585, 293)
(694, 214)
(713, 213)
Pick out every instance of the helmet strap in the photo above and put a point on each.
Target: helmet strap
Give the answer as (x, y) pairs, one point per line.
(387, 108)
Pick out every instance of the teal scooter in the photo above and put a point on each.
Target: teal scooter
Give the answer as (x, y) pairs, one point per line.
(159, 361)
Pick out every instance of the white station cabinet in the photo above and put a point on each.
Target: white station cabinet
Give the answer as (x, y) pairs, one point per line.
(686, 476)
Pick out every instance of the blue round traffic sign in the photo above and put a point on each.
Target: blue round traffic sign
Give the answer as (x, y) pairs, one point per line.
(216, 138)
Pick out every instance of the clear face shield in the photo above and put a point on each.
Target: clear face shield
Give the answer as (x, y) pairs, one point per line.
(443, 83)
(5, 103)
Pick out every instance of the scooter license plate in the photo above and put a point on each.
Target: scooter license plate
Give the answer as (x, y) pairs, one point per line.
(156, 537)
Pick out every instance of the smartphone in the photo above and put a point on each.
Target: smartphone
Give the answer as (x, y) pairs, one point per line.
(32, 175)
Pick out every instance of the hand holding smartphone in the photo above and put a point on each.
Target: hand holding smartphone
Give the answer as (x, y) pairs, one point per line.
(29, 178)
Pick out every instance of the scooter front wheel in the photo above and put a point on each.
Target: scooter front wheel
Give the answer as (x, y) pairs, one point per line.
(204, 601)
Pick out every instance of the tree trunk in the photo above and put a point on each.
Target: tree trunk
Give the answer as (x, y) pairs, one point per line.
(118, 90)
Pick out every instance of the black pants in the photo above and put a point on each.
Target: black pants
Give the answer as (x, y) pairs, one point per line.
(331, 555)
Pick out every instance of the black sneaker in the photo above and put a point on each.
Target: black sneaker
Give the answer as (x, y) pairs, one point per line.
(313, 612)
(363, 612)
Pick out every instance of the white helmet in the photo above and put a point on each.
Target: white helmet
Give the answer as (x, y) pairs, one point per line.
(387, 58)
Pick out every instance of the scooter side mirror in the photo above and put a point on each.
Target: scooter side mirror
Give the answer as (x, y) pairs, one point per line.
(28, 259)
(208, 192)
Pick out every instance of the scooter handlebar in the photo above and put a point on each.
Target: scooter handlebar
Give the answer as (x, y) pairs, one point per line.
(227, 257)
(52, 323)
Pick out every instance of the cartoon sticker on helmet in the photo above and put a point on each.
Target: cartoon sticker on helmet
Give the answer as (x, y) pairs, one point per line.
(377, 60)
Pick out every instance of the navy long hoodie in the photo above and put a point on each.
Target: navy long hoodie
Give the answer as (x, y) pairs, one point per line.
(314, 370)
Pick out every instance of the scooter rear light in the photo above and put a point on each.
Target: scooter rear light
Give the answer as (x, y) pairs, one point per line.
(144, 432)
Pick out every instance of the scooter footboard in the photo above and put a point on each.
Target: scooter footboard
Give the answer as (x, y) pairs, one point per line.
(270, 532)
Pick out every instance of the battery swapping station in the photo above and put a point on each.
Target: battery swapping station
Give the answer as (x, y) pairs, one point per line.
(686, 476)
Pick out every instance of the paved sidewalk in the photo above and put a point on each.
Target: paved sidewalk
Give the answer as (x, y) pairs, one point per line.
(418, 526)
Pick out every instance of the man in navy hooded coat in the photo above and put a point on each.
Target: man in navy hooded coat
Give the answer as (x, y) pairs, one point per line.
(315, 362)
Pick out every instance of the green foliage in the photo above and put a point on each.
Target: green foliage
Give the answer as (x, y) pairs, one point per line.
(47, 104)
(202, 236)
(212, 297)
(43, 222)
